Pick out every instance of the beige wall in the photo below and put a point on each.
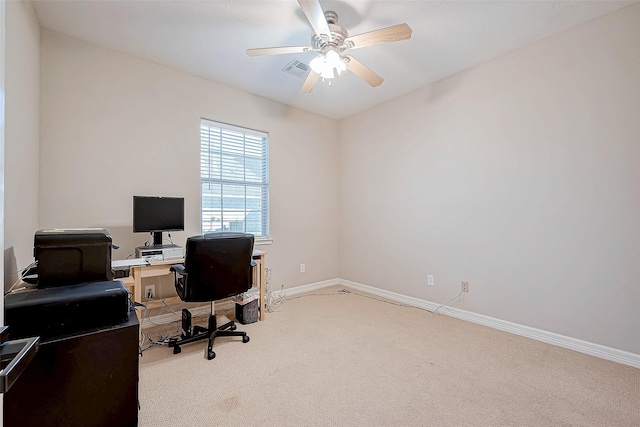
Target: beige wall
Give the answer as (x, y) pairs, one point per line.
(114, 126)
(22, 136)
(520, 176)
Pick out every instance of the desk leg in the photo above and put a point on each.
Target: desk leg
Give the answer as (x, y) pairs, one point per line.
(137, 287)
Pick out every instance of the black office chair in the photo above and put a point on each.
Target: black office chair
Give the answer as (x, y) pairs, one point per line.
(216, 266)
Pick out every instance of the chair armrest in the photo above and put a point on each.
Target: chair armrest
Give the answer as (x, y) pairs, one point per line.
(178, 268)
(179, 279)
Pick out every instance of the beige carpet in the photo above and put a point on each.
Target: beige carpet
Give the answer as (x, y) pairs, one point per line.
(347, 360)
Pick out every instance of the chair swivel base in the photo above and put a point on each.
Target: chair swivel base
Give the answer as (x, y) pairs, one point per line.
(199, 333)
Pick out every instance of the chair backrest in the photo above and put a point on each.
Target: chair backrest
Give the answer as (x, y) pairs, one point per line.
(218, 265)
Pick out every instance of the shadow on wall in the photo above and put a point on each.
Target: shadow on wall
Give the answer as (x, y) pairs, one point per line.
(441, 89)
(11, 275)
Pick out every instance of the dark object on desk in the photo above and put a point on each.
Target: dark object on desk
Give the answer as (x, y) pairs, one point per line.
(30, 275)
(52, 312)
(247, 313)
(216, 266)
(72, 256)
(119, 273)
(85, 379)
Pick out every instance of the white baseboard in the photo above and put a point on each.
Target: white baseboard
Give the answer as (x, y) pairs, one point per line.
(586, 347)
(310, 287)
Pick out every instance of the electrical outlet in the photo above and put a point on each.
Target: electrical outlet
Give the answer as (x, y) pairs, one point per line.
(430, 280)
(150, 291)
(303, 268)
(465, 286)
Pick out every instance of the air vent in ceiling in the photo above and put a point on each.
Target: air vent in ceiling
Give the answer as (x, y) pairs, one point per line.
(296, 68)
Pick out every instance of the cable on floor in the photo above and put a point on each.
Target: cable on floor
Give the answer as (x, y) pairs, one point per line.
(272, 300)
(165, 331)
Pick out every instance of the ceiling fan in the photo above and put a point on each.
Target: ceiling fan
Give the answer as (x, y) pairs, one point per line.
(331, 41)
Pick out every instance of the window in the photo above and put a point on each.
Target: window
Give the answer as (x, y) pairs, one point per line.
(234, 179)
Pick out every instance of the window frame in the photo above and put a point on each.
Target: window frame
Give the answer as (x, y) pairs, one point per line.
(260, 182)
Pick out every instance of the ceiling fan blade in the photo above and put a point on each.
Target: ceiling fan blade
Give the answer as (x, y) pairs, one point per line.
(364, 72)
(384, 35)
(310, 82)
(315, 15)
(278, 50)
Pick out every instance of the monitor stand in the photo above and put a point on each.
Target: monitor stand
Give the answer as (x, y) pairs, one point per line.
(157, 238)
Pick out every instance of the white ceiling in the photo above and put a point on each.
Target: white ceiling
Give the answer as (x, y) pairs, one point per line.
(209, 39)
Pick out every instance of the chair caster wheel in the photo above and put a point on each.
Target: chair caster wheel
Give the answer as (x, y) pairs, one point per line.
(210, 355)
(245, 338)
(176, 349)
(233, 327)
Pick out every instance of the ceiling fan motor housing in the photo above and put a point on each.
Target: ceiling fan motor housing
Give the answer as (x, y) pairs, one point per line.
(331, 17)
(338, 35)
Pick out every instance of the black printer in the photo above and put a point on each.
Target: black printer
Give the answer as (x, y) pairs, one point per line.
(75, 287)
(72, 256)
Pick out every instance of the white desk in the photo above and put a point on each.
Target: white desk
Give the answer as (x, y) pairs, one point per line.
(161, 268)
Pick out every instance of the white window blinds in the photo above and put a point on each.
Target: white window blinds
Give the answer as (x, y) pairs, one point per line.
(234, 179)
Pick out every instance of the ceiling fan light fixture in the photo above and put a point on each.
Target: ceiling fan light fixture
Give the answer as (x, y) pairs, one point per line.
(317, 64)
(327, 73)
(342, 66)
(332, 58)
(325, 64)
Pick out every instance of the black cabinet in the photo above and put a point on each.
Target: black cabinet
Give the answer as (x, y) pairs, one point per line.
(85, 379)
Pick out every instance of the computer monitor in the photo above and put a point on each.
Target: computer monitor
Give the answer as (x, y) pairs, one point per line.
(155, 214)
